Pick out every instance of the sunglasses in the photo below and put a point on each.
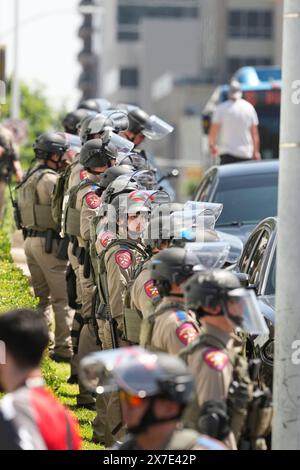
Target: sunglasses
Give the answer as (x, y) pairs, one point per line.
(132, 400)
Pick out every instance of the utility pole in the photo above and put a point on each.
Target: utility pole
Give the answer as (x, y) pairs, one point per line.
(15, 106)
(286, 425)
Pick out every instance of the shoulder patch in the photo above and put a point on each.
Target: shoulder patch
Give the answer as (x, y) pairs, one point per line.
(83, 175)
(106, 238)
(92, 200)
(186, 333)
(181, 315)
(123, 259)
(215, 358)
(151, 289)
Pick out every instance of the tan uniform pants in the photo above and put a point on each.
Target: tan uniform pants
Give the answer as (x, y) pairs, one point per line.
(87, 339)
(114, 429)
(75, 266)
(49, 283)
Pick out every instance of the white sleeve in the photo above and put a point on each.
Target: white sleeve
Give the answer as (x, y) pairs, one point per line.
(217, 115)
(254, 117)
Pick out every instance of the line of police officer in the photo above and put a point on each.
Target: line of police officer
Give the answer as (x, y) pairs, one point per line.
(99, 210)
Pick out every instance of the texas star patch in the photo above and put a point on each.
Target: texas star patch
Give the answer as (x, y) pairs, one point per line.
(215, 358)
(186, 333)
(123, 259)
(106, 238)
(92, 200)
(151, 289)
(83, 175)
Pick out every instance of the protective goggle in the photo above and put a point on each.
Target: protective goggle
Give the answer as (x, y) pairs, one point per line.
(242, 308)
(132, 400)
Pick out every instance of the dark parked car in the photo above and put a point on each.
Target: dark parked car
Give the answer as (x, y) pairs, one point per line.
(258, 261)
(248, 192)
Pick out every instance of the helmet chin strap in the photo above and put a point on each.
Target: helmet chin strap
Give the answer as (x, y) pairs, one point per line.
(149, 419)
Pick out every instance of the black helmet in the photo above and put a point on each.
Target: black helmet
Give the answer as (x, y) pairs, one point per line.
(208, 289)
(137, 120)
(95, 154)
(49, 143)
(121, 185)
(139, 372)
(72, 119)
(98, 124)
(137, 160)
(114, 172)
(83, 126)
(172, 266)
(95, 104)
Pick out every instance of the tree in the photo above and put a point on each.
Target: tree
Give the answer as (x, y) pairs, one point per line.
(38, 114)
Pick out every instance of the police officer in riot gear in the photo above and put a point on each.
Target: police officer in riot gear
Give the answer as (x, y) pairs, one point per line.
(154, 390)
(42, 242)
(222, 305)
(170, 328)
(81, 206)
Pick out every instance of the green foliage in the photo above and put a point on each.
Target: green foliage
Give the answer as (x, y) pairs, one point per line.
(36, 111)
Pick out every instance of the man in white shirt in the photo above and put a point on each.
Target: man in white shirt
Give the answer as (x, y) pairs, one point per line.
(235, 126)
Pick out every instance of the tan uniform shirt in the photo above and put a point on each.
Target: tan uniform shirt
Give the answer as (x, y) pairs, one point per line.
(88, 203)
(213, 369)
(144, 295)
(78, 174)
(45, 188)
(120, 263)
(175, 328)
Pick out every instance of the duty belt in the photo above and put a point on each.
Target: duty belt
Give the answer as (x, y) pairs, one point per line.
(37, 233)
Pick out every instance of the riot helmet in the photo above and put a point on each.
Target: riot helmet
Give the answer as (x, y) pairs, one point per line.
(139, 374)
(172, 266)
(72, 119)
(222, 288)
(49, 144)
(95, 104)
(94, 154)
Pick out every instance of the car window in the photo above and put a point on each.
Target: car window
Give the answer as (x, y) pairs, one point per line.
(205, 187)
(249, 250)
(254, 267)
(271, 281)
(247, 198)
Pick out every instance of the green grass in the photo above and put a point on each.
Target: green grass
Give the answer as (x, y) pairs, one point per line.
(56, 378)
(15, 293)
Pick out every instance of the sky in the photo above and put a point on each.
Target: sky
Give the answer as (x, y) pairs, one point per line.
(48, 46)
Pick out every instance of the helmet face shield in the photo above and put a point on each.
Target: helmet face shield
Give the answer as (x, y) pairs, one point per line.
(211, 255)
(243, 310)
(138, 372)
(124, 146)
(207, 208)
(191, 225)
(156, 128)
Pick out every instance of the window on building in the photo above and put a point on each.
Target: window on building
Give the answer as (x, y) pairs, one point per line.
(129, 77)
(250, 24)
(234, 63)
(129, 17)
